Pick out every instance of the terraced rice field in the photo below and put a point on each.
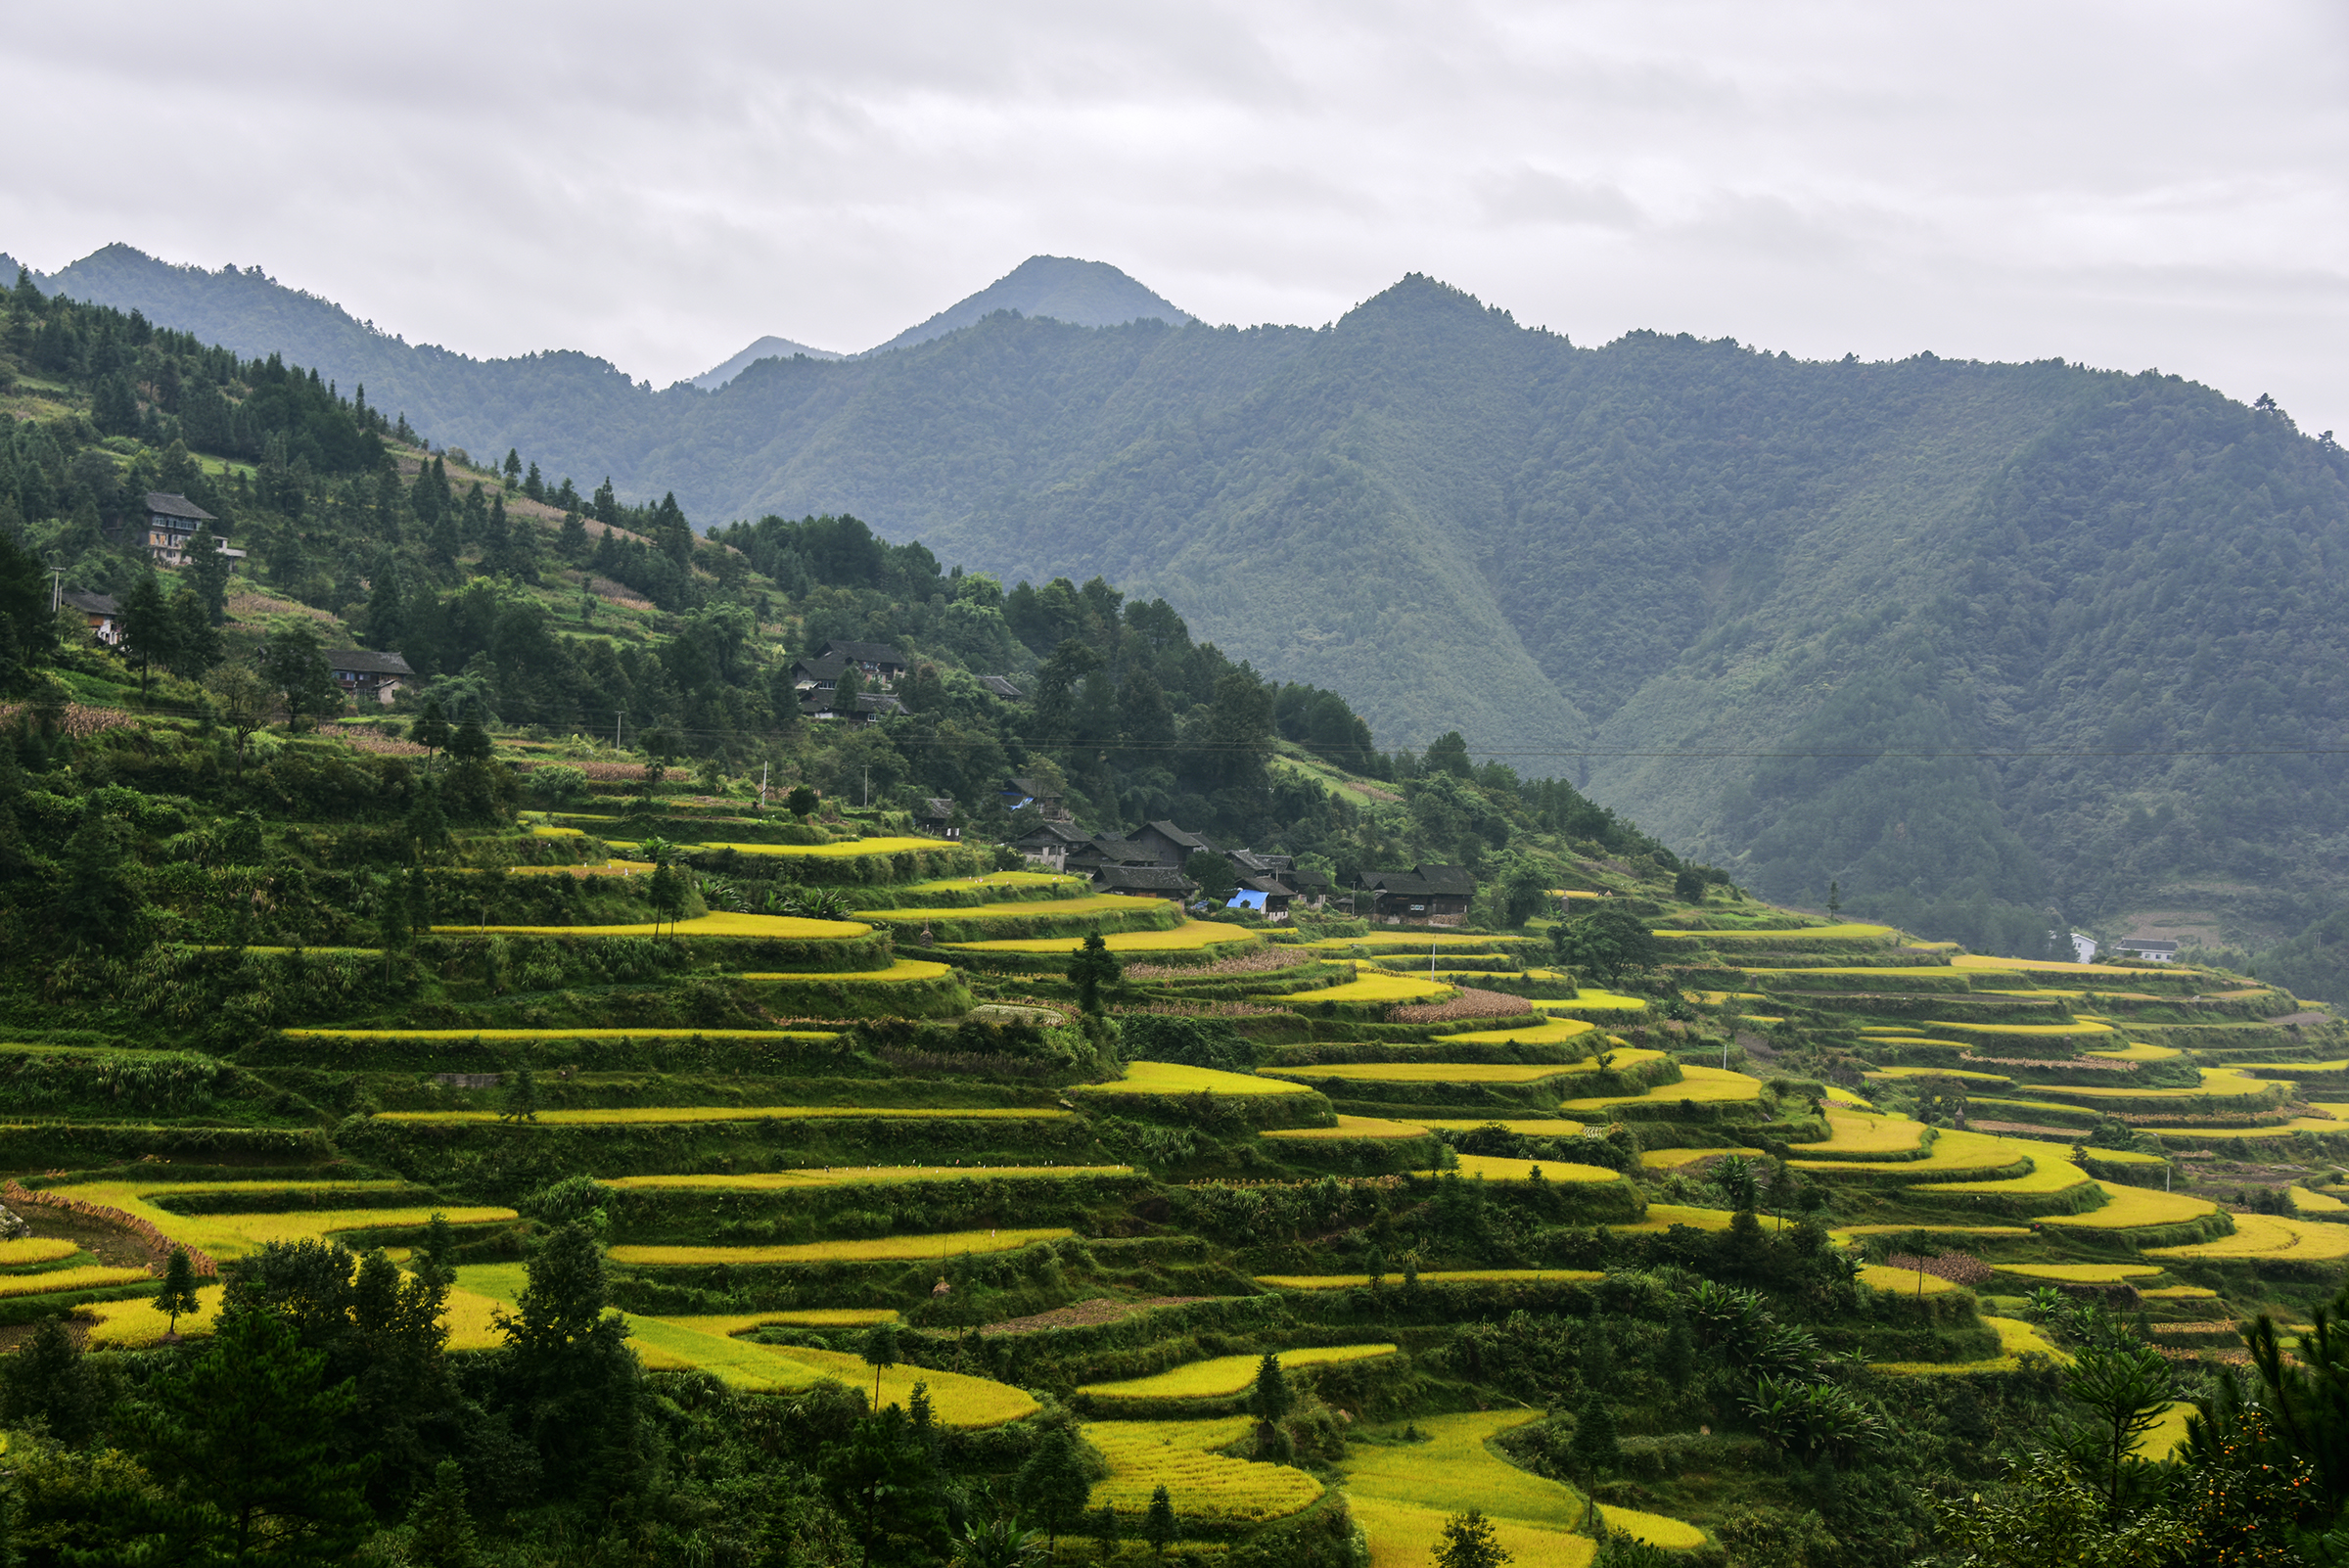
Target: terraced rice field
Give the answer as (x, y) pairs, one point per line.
(2051, 1172)
(1493, 1168)
(1173, 1077)
(903, 969)
(1556, 1032)
(1845, 1234)
(1589, 1001)
(1354, 1126)
(2134, 1208)
(2137, 1051)
(847, 851)
(1663, 1217)
(1530, 1126)
(1192, 936)
(2262, 1235)
(89, 1276)
(29, 1250)
(2080, 1274)
(871, 1249)
(1091, 904)
(2081, 1032)
(1455, 1469)
(1225, 1375)
(1954, 1152)
(136, 1324)
(1853, 931)
(655, 1114)
(732, 1323)
(1405, 941)
(1968, 1074)
(2307, 1202)
(1434, 1277)
(232, 1235)
(1181, 1456)
(1403, 1534)
(1674, 1159)
(785, 928)
(1970, 960)
(858, 1176)
(1422, 1072)
(1905, 1282)
(1857, 1136)
(2016, 1339)
(2218, 1082)
(562, 1033)
(1378, 988)
(1703, 1084)
(2165, 1440)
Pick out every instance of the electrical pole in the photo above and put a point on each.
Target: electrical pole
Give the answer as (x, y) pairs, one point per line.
(617, 717)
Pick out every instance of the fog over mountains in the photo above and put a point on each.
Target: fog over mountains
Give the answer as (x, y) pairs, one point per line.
(1977, 641)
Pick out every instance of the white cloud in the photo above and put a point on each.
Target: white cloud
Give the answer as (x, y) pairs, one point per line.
(2141, 184)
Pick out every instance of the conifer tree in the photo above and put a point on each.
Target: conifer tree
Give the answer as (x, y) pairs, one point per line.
(440, 1532)
(179, 1295)
(1159, 1528)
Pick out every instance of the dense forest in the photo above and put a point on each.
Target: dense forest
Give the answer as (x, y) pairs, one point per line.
(521, 601)
(2098, 606)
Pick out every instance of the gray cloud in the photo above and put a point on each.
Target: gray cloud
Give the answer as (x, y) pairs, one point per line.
(2127, 184)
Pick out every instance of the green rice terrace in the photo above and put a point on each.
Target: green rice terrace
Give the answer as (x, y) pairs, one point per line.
(1202, 1238)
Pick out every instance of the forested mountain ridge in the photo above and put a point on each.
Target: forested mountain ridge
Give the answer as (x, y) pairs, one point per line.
(1655, 547)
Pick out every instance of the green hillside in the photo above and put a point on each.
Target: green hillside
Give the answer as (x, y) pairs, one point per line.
(2109, 595)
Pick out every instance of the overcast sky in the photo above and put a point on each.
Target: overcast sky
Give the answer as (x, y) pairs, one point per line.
(2132, 185)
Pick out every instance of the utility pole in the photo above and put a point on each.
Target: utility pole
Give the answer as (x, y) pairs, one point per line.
(57, 588)
(762, 768)
(617, 717)
(868, 787)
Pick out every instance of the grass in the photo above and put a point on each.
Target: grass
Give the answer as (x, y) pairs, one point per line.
(844, 1175)
(1531, 1126)
(1354, 1126)
(952, 1244)
(1432, 1276)
(903, 970)
(1181, 1456)
(2080, 1274)
(2016, 1339)
(1493, 1168)
(1698, 1083)
(1903, 1281)
(34, 1250)
(1225, 1375)
(232, 1235)
(1865, 1134)
(1173, 1077)
(1192, 936)
(560, 1034)
(1425, 1072)
(1556, 1032)
(1456, 1469)
(2130, 1208)
(89, 1276)
(1378, 988)
(659, 1114)
(2261, 1235)
(789, 928)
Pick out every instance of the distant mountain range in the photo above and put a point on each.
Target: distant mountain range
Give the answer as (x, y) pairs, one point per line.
(1993, 647)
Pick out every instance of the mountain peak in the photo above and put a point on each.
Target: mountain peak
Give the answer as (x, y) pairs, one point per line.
(1084, 294)
(768, 348)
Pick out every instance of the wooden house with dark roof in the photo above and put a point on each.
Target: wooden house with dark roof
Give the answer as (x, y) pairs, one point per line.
(1018, 792)
(1167, 844)
(1102, 850)
(875, 661)
(368, 674)
(937, 817)
(996, 685)
(172, 524)
(1267, 896)
(103, 616)
(1145, 882)
(1424, 896)
(1050, 843)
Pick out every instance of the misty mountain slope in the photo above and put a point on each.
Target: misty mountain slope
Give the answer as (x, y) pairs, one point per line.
(768, 348)
(1082, 293)
(1660, 546)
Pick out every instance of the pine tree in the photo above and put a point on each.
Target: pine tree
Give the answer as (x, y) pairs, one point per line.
(1092, 967)
(148, 632)
(47, 1380)
(522, 1097)
(195, 644)
(1271, 1401)
(1052, 1487)
(1468, 1541)
(439, 1531)
(179, 1295)
(1159, 1528)
(570, 544)
(431, 731)
(1594, 1448)
(533, 486)
(513, 467)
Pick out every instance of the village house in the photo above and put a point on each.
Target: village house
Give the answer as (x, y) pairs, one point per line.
(1145, 882)
(2150, 950)
(172, 524)
(1049, 845)
(997, 686)
(1266, 895)
(875, 661)
(1100, 850)
(937, 817)
(1424, 896)
(869, 708)
(368, 675)
(1019, 792)
(103, 614)
(1169, 845)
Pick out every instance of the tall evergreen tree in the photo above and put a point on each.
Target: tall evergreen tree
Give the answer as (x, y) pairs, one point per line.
(148, 633)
